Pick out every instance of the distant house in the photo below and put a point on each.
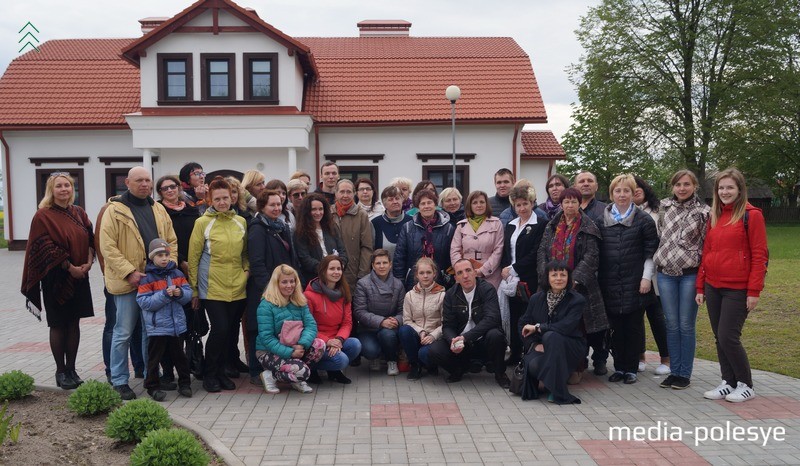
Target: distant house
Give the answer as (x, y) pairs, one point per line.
(218, 85)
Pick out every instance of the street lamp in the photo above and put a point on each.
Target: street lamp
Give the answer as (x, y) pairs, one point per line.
(452, 94)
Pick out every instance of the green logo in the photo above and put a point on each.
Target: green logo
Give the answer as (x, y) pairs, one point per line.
(29, 36)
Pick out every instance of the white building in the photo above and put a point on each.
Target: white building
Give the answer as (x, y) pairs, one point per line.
(217, 85)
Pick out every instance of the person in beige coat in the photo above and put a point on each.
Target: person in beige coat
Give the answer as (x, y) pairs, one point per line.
(422, 318)
(479, 237)
(356, 233)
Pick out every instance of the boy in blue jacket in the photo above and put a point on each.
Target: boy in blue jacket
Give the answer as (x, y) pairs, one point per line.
(162, 294)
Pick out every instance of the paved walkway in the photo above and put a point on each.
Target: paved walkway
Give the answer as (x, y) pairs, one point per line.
(389, 420)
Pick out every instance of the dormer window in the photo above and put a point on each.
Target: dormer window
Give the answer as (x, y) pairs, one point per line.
(174, 76)
(218, 76)
(261, 77)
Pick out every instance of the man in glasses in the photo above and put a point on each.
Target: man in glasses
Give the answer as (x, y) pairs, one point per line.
(193, 182)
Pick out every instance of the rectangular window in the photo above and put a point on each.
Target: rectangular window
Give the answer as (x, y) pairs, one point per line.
(442, 177)
(115, 181)
(218, 76)
(261, 77)
(174, 76)
(353, 173)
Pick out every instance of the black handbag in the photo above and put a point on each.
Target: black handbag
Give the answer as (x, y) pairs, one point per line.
(518, 378)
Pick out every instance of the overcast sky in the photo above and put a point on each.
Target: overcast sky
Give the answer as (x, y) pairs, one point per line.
(544, 29)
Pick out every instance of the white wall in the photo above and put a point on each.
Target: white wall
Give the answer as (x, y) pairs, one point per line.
(290, 81)
(536, 172)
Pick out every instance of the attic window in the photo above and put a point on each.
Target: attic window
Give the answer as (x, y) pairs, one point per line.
(218, 76)
(261, 77)
(174, 76)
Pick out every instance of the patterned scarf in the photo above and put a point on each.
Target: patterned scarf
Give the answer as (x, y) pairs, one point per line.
(277, 225)
(427, 238)
(407, 204)
(476, 221)
(551, 208)
(553, 299)
(563, 247)
(177, 206)
(341, 209)
(619, 217)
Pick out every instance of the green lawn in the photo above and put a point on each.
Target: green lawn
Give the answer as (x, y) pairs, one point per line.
(771, 332)
(3, 242)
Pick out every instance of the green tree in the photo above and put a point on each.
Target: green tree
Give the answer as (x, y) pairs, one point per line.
(661, 80)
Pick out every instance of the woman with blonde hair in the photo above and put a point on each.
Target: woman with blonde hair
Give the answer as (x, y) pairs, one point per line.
(58, 257)
(286, 341)
(254, 182)
(238, 194)
(450, 201)
(730, 280)
(404, 185)
(302, 176)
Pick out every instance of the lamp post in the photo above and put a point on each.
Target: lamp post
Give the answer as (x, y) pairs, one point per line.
(452, 94)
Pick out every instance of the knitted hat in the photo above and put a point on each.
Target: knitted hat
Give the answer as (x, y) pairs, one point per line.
(186, 171)
(158, 245)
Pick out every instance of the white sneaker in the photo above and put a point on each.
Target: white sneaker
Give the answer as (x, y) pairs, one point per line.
(642, 366)
(375, 364)
(302, 387)
(720, 392)
(391, 368)
(663, 369)
(269, 382)
(741, 393)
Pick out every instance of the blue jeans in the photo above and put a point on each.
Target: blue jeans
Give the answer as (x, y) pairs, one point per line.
(128, 314)
(108, 330)
(680, 314)
(415, 352)
(350, 350)
(376, 342)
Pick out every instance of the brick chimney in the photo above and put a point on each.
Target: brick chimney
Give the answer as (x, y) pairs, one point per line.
(384, 28)
(152, 22)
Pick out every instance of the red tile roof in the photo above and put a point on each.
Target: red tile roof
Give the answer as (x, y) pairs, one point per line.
(364, 80)
(541, 145)
(70, 82)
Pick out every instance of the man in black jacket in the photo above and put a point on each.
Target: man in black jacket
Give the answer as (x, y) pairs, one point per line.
(471, 327)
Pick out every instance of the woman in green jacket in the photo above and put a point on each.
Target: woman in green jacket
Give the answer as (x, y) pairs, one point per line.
(218, 270)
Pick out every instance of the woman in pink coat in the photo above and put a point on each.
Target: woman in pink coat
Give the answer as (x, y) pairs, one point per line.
(479, 237)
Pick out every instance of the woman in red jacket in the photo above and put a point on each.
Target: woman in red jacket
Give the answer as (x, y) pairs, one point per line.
(730, 279)
(330, 302)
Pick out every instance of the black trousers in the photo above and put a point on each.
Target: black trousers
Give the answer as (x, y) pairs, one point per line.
(727, 310)
(597, 342)
(157, 347)
(492, 347)
(224, 318)
(655, 315)
(627, 331)
(517, 308)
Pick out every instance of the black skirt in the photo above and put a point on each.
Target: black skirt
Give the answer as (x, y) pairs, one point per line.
(77, 307)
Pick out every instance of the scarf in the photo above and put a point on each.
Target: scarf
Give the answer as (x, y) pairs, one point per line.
(397, 219)
(475, 221)
(383, 286)
(427, 237)
(56, 235)
(551, 208)
(407, 204)
(177, 206)
(320, 287)
(341, 209)
(553, 299)
(278, 226)
(618, 216)
(563, 247)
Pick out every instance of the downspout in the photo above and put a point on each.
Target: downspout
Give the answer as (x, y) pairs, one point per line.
(514, 151)
(316, 152)
(7, 182)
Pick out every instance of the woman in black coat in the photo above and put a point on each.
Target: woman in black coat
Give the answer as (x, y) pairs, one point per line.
(552, 331)
(315, 217)
(522, 237)
(629, 242)
(269, 244)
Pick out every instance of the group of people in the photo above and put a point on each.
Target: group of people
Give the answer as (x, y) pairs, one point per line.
(319, 279)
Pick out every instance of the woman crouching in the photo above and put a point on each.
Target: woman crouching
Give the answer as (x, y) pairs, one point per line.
(552, 325)
(286, 341)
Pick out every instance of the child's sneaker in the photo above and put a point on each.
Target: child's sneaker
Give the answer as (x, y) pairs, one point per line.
(270, 385)
(391, 368)
(302, 387)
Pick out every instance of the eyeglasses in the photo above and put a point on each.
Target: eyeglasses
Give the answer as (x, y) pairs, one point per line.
(553, 185)
(365, 188)
(55, 174)
(169, 187)
(199, 174)
(299, 195)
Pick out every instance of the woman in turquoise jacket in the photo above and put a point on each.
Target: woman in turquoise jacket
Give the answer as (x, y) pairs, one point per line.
(287, 333)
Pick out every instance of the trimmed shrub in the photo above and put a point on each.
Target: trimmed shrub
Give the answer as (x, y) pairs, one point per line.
(135, 419)
(169, 447)
(15, 385)
(93, 397)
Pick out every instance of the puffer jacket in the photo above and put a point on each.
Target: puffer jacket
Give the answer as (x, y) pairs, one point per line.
(734, 257)
(624, 249)
(587, 260)
(409, 248)
(218, 256)
(596, 210)
(484, 245)
(270, 323)
(122, 246)
(376, 300)
(358, 239)
(456, 313)
(422, 309)
(334, 318)
(163, 315)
